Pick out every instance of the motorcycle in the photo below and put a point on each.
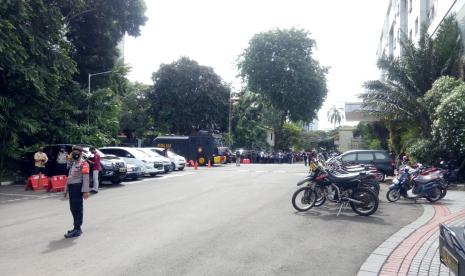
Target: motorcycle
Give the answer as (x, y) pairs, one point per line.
(344, 190)
(411, 184)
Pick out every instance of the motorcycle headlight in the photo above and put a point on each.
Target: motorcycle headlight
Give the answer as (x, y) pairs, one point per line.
(395, 181)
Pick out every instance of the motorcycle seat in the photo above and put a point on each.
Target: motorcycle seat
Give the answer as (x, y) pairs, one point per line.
(422, 179)
(343, 177)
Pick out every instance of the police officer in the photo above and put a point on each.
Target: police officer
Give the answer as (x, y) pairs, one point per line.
(77, 187)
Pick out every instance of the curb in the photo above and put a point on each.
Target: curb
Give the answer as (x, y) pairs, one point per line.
(6, 183)
(373, 264)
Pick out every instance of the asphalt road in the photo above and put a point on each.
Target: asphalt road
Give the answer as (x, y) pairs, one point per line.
(218, 221)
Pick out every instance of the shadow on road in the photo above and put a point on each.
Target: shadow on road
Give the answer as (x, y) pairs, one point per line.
(58, 245)
(330, 214)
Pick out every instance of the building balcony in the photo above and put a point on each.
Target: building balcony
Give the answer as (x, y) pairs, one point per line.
(355, 112)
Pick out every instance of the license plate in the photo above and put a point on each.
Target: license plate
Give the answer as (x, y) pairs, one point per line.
(449, 260)
(122, 169)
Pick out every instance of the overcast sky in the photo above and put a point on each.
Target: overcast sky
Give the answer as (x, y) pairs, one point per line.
(215, 32)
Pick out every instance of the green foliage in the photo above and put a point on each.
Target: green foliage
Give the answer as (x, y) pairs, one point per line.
(190, 97)
(374, 144)
(424, 151)
(374, 133)
(95, 28)
(47, 49)
(449, 126)
(248, 123)
(291, 137)
(408, 78)
(279, 66)
(441, 88)
(317, 139)
(134, 121)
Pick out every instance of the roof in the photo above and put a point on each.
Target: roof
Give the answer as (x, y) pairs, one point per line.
(172, 137)
(355, 151)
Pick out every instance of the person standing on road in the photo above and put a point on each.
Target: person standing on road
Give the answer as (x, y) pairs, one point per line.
(238, 158)
(95, 161)
(305, 158)
(40, 158)
(77, 187)
(62, 162)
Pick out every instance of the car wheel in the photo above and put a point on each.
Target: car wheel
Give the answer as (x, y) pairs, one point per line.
(173, 167)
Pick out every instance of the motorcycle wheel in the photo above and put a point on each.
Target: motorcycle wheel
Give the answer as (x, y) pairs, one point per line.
(304, 199)
(436, 192)
(393, 195)
(369, 201)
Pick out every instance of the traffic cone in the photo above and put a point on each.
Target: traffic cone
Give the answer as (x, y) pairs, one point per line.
(209, 164)
(195, 165)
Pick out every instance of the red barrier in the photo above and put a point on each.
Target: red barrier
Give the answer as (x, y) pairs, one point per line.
(245, 161)
(58, 182)
(37, 182)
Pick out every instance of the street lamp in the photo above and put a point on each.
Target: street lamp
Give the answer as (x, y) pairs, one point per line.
(88, 87)
(231, 99)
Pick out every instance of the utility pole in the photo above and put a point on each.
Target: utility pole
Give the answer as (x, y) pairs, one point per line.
(88, 92)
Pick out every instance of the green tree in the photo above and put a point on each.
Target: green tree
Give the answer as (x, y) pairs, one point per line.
(134, 121)
(398, 96)
(34, 64)
(247, 122)
(47, 48)
(279, 65)
(95, 28)
(335, 115)
(291, 137)
(187, 96)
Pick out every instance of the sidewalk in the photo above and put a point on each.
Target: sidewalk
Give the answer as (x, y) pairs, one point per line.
(414, 250)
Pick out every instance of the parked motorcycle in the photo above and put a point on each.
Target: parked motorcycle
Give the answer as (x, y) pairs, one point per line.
(344, 190)
(411, 184)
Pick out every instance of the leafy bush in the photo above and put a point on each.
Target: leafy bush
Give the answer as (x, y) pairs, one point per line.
(449, 126)
(441, 88)
(424, 151)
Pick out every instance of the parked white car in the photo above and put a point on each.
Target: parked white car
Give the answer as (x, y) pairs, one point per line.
(166, 161)
(153, 165)
(177, 161)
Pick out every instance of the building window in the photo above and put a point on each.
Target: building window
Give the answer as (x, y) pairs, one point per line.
(409, 6)
(271, 136)
(410, 35)
(416, 26)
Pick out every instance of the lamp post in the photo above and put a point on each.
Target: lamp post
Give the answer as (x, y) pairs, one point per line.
(88, 88)
(231, 99)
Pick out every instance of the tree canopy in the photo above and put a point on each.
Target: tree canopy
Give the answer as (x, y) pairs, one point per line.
(47, 48)
(279, 65)
(187, 96)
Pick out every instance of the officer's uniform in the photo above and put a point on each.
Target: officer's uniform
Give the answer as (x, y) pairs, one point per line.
(78, 183)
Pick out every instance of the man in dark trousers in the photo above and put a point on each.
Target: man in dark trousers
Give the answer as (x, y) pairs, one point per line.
(305, 158)
(77, 188)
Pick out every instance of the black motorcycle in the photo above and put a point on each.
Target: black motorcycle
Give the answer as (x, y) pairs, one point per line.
(344, 190)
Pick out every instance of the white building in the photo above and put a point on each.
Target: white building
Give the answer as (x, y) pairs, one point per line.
(313, 126)
(406, 18)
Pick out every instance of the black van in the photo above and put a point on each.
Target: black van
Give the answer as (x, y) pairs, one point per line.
(379, 158)
(202, 146)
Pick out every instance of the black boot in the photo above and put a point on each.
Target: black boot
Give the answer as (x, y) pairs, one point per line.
(73, 234)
